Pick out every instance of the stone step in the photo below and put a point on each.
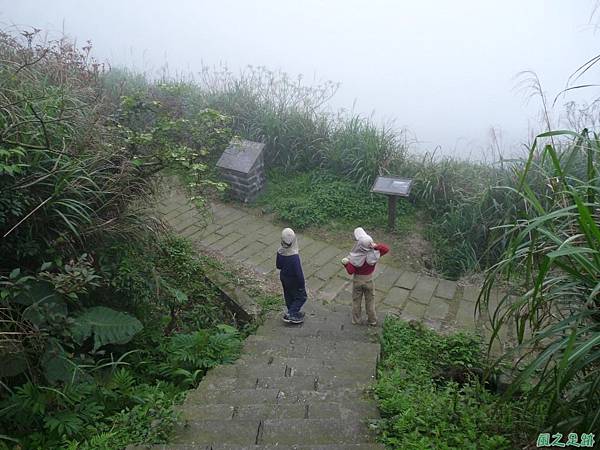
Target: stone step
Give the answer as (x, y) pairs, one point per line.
(246, 371)
(208, 432)
(270, 344)
(367, 353)
(361, 363)
(275, 432)
(257, 447)
(319, 360)
(313, 410)
(313, 432)
(304, 383)
(239, 397)
(331, 318)
(310, 342)
(338, 328)
(320, 310)
(318, 315)
(291, 367)
(325, 333)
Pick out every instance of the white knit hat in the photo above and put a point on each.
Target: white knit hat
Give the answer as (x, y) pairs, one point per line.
(289, 243)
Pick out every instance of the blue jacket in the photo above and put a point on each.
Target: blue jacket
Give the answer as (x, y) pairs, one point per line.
(291, 270)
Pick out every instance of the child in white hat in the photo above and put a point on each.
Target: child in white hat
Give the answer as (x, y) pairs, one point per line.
(291, 276)
(361, 263)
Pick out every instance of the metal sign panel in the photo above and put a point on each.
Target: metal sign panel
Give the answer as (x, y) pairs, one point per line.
(392, 186)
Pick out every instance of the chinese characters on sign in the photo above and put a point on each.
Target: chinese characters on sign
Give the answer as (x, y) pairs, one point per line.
(556, 440)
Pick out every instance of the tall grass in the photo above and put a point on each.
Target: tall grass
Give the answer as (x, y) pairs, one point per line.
(64, 176)
(465, 204)
(299, 130)
(552, 261)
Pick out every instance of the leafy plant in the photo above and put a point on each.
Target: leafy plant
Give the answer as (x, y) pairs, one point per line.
(75, 278)
(150, 278)
(81, 257)
(419, 411)
(106, 325)
(318, 198)
(191, 355)
(553, 263)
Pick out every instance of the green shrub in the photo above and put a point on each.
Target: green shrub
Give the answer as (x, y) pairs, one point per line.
(420, 412)
(190, 356)
(119, 411)
(150, 277)
(100, 380)
(78, 163)
(75, 164)
(62, 159)
(320, 198)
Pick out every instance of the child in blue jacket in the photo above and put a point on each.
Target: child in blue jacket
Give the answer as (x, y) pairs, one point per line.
(291, 276)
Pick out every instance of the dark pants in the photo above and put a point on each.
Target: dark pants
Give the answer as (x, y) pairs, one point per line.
(295, 297)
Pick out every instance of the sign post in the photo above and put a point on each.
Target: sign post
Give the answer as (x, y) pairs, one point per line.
(392, 187)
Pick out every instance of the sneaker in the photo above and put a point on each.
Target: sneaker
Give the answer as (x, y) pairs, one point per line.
(373, 324)
(286, 318)
(301, 314)
(296, 319)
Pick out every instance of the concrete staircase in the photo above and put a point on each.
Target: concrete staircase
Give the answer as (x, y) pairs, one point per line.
(301, 387)
(294, 387)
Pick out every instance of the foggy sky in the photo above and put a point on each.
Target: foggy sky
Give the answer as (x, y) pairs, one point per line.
(445, 70)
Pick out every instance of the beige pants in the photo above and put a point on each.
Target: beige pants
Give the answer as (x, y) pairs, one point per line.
(363, 285)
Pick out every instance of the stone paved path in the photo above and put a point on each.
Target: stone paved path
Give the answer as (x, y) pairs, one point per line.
(301, 387)
(247, 239)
